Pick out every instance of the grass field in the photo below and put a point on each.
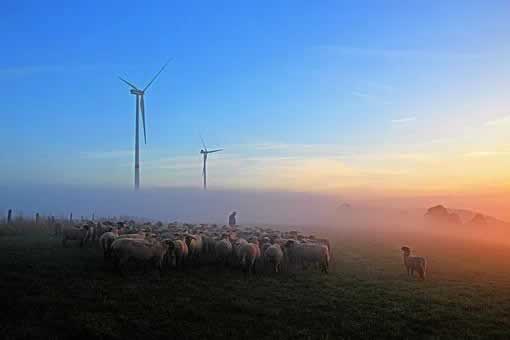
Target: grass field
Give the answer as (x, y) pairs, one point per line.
(54, 292)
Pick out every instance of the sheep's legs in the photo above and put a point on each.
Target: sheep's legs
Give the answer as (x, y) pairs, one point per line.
(325, 267)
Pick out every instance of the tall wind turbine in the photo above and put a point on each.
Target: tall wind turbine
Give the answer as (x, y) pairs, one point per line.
(140, 106)
(205, 152)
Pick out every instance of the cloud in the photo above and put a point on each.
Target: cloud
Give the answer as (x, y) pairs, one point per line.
(481, 154)
(361, 94)
(401, 53)
(403, 120)
(112, 154)
(378, 99)
(177, 163)
(27, 70)
(500, 121)
(380, 86)
(416, 157)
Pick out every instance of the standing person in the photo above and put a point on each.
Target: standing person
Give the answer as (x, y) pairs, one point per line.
(232, 220)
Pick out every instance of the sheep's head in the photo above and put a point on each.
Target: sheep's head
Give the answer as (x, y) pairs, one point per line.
(170, 245)
(290, 243)
(406, 250)
(189, 239)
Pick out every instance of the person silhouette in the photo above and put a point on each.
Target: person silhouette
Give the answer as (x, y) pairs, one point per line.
(232, 219)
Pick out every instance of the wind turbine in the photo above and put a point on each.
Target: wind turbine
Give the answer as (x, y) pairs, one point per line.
(205, 152)
(140, 106)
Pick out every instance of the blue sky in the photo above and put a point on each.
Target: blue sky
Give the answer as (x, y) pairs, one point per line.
(303, 95)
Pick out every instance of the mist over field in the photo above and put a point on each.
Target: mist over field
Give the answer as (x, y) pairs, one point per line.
(332, 214)
(176, 204)
(212, 206)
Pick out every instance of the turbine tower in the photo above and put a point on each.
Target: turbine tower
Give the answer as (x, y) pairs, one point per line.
(140, 106)
(204, 153)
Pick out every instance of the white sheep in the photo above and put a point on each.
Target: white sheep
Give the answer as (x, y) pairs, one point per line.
(249, 253)
(236, 247)
(149, 252)
(106, 240)
(75, 234)
(273, 255)
(223, 250)
(413, 263)
(195, 246)
(208, 245)
(306, 253)
(177, 253)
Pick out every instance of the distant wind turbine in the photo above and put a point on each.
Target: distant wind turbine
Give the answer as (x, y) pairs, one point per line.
(205, 152)
(140, 106)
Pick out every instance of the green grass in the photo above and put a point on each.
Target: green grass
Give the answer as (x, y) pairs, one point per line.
(54, 292)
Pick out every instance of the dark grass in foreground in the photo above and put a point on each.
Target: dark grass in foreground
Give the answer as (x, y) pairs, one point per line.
(50, 291)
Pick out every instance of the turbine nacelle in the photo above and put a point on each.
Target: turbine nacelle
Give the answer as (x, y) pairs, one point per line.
(136, 92)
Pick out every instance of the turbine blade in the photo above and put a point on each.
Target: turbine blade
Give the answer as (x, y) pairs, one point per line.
(215, 150)
(127, 82)
(142, 106)
(203, 143)
(157, 74)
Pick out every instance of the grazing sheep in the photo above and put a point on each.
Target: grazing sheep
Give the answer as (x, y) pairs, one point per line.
(208, 245)
(236, 247)
(106, 240)
(177, 253)
(264, 245)
(306, 253)
(148, 252)
(249, 253)
(223, 250)
(75, 234)
(273, 255)
(91, 232)
(324, 242)
(413, 263)
(101, 229)
(195, 245)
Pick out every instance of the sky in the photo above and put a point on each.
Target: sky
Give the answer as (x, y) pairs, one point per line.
(338, 97)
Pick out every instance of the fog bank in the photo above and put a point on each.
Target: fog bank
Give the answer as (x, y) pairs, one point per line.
(180, 204)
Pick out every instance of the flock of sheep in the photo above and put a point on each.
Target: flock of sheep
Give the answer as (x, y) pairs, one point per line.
(181, 245)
